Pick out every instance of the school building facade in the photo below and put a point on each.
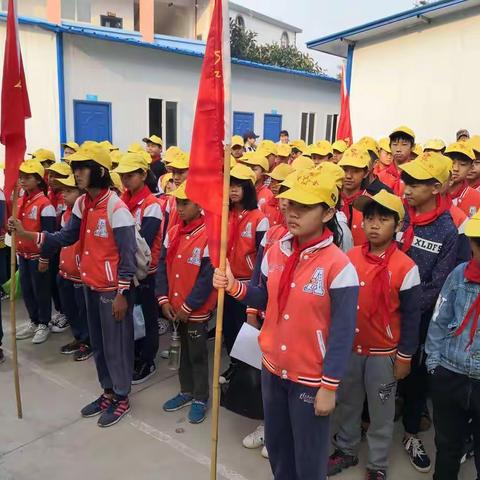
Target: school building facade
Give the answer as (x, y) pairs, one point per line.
(93, 81)
(418, 68)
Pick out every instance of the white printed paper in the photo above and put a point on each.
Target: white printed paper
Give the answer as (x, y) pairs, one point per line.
(246, 346)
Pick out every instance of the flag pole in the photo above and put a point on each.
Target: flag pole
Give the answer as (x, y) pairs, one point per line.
(13, 321)
(226, 65)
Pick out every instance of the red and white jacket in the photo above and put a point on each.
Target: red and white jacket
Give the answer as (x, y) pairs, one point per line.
(69, 266)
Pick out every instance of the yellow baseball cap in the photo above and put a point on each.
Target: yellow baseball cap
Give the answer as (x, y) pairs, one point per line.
(43, 155)
(302, 163)
(267, 150)
(95, 152)
(67, 181)
(474, 143)
(258, 159)
(323, 148)
(417, 149)
(339, 146)
(284, 150)
(89, 143)
(426, 166)
(117, 181)
(181, 161)
(61, 168)
(369, 144)
(171, 153)
(180, 192)
(472, 227)
(403, 129)
(281, 172)
(332, 170)
(72, 145)
(464, 148)
(355, 156)
(312, 187)
(291, 178)
(153, 139)
(237, 140)
(384, 144)
(383, 198)
(242, 172)
(132, 162)
(266, 143)
(165, 179)
(134, 147)
(107, 144)
(32, 166)
(116, 156)
(435, 144)
(299, 145)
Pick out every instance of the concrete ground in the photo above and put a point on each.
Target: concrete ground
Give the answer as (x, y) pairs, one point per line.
(52, 442)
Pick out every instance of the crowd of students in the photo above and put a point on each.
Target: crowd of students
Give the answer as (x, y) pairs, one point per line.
(359, 264)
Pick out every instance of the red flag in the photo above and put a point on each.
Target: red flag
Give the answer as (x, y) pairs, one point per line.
(344, 131)
(15, 104)
(205, 175)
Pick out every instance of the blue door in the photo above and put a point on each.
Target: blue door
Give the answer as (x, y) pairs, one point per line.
(242, 122)
(272, 124)
(92, 120)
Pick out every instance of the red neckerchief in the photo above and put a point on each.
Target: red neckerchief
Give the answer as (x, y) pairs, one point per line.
(472, 274)
(458, 191)
(422, 219)
(88, 204)
(284, 287)
(476, 185)
(24, 200)
(156, 158)
(393, 170)
(185, 229)
(134, 201)
(381, 283)
(347, 202)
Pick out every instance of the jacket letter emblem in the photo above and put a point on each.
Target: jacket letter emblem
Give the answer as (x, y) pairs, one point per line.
(195, 258)
(101, 230)
(315, 286)
(247, 233)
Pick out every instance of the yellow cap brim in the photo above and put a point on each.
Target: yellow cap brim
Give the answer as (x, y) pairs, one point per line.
(362, 202)
(416, 171)
(299, 195)
(472, 228)
(122, 168)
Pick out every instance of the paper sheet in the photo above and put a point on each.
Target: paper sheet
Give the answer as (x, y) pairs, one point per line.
(246, 346)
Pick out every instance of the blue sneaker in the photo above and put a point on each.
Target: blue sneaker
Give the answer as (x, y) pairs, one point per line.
(176, 403)
(198, 412)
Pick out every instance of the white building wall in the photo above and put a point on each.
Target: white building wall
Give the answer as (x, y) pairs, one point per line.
(40, 63)
(425, 79)
(127, 76)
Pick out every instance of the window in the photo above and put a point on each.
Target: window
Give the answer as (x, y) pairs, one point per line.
(76, 10)
(5, 5)
(285, 41)
(307, 128)
(111, 21)
(331, 131)
(240, 22)
(162, 117)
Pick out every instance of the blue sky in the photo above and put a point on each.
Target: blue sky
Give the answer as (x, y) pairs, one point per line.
(321, 17)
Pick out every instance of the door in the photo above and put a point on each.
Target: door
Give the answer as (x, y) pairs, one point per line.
(92, 121)
(242, 122)
(272, 124)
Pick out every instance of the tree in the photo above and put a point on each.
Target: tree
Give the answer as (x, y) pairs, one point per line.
(244, 46)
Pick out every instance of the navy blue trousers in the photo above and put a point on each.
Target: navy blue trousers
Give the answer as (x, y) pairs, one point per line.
(297, 440)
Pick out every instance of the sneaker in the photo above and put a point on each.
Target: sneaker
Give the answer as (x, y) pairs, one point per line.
(198, 412)
(264, 452)
(71, 348)
(339, 461)
(256, 439)
(41, 333)
(96, 407)
(376, 475)
(226, 375)
(2, 356)
(165, 354)
(27, 331)
(417, 454)
(143, 372)
(114, 413)
(55, 318)
(84, 353)
(163, 326)
(176, 403)
(468, 451)
(60, 324)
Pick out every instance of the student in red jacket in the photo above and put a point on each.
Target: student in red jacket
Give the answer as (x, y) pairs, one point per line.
(259, 164)
(309, 289)
(37, 214)
(185, 293)
(386, 337)
(146, 211)
(106, 231)
(247, 226)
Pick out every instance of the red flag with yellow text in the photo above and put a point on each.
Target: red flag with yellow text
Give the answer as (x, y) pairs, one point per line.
(344, 130)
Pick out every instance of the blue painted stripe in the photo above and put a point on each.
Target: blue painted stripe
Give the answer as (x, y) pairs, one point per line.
(61, 88)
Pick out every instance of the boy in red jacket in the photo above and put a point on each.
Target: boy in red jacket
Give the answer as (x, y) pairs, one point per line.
(386, 337)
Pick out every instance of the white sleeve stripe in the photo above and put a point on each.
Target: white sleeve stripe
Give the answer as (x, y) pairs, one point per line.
(264, 266)
(165, 242)
(461, 228)
(206, 253)
(48, 211)
(263, 225)
(346, 278)
(76, 208)
(2, 196)
(264, 241)
(412, 279)
(122, 218)
(153, 210)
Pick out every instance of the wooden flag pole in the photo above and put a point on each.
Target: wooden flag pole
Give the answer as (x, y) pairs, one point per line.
(220, 309)
(13, 321)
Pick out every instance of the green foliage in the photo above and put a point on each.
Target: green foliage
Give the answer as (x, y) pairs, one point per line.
(244, 45)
